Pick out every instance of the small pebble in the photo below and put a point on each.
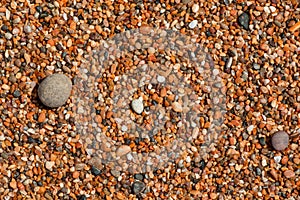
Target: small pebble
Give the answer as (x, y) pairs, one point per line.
(17, 93)
(193, 24)
(137, 105)
(27, 29)
(177, 107)
(139, 177)
(289, 174)
(8, 36)
(123, 150)
(244, 20)
(55, 90)
(95, 171)
(277, 159)
(195, 8)
(280, 140)
(138, 187)
(49, 165)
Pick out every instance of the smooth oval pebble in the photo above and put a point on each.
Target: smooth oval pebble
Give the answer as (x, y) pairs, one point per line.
(289, 174)
(137, 105)
(280, 140)
(55, 90)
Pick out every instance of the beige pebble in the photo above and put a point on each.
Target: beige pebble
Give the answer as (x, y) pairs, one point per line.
(123, 150)
(177, 107)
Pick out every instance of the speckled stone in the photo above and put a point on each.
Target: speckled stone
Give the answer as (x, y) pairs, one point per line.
(55, 90)
(280, 140)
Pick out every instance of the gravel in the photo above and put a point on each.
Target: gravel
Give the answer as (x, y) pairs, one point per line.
(254, 46)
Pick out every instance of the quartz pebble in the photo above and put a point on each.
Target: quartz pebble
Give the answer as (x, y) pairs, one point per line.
(137, 105)
(55, 90)
(280, 140)
(193, 24)
(195, 8)
(27, 29)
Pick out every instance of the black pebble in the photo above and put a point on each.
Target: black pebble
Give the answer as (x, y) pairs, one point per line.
(95, 171)
(138, 187)
(262, 141)
(81, 197)
(244, 20)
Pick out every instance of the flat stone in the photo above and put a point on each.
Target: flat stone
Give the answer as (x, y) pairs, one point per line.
(280, 140)
(137, 105)
(55, 90)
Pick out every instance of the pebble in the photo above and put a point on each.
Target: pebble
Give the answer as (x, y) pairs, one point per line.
(161, 79)
(27, 29)
(193, 24)
(8, 36)
(137, 105)
(195, 8)
(177, 107)
(17, 93)
(139, 177)
(49, 165)
(55, 90)
(244, 20)
(289, 174)
(277, 159)
(95, 171)
(123, 150)
(138, 187)
(280, 140)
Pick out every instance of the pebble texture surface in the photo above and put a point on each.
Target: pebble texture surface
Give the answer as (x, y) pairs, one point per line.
(254, 45)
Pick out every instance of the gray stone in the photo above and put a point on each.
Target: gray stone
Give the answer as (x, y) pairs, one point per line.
(138, 187)
(55, 90)
(280, 140)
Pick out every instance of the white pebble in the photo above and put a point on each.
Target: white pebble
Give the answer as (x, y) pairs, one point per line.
(8, 36)
(264, 163)
(277, 159)
(27, 29)
(137, 105)
(161, 79)
(195, 8)
(193, 24)
(49, 165)
(250, 128)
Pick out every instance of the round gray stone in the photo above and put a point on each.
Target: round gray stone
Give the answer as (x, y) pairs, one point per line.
(280, 140)
(55, 90)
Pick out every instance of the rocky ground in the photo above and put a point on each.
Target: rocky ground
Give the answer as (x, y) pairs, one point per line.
(254, 46)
